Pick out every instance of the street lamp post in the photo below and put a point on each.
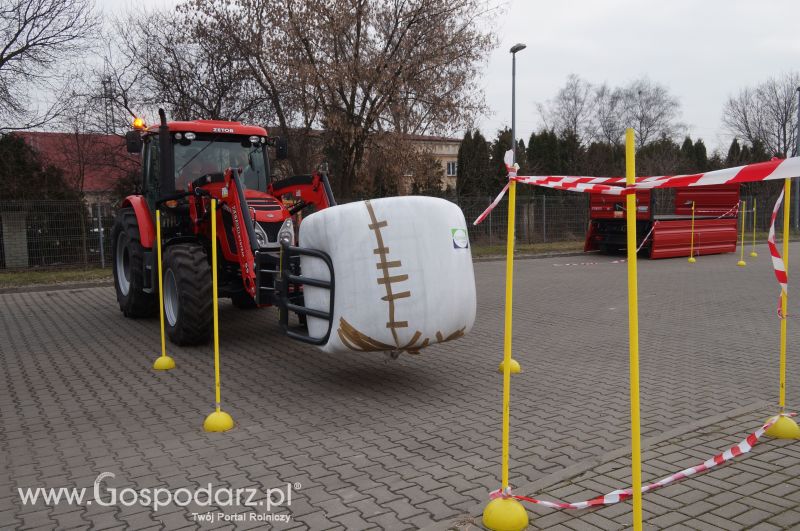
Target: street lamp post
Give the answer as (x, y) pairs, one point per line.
(797, 154)
(514, 49)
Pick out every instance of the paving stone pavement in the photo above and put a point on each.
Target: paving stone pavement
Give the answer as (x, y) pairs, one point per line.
(371, 443)
(760, 490)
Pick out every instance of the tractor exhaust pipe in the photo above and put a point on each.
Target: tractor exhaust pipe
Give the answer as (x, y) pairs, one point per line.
(166, 160)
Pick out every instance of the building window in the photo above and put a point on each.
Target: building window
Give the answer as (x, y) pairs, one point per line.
(452, 169)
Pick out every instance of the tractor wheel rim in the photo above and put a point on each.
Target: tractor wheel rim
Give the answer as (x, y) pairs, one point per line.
(123, 265)
(171, 303)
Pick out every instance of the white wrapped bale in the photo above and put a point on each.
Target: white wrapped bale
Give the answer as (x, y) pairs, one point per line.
(403, 274)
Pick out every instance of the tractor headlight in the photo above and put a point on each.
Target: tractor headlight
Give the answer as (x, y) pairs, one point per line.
(261, 236)
(286, 234)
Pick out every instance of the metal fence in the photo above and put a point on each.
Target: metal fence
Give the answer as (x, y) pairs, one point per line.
(62, 234)
(539, 219)
(55, 234)
(75, 234)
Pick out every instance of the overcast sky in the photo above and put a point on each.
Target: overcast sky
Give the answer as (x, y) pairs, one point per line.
(703, 51)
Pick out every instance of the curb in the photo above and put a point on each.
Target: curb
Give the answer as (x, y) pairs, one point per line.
(577, 469)
(57, 287)
(500, 258)
(103, 283)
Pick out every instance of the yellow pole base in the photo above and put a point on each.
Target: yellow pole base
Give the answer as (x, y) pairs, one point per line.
(505, 514)
(218, 421)
(741, 263)
(692, 259)
(753, 254)
(515, 367)
(784, 428)
(164, 363)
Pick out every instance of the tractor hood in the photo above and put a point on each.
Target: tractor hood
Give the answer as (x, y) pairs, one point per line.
(265, 208)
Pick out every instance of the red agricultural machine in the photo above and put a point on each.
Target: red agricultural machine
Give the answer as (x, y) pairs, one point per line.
(184, 166)
(664, 221)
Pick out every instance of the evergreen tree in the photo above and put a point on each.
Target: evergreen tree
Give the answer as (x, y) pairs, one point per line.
(500, 145)
(604, 159)
(543, 153)
(464, 160)
(734, 157)
(570, 153)
(522, 157)
(475, 174)
(758, 152)
(700, 156)
(687, 151)
(661, 157)
(483, 164)
(715, 162)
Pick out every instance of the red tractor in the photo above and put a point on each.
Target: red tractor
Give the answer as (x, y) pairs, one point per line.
(184, 166)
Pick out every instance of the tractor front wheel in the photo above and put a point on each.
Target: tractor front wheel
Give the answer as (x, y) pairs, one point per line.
(129, 267)
(188, 310)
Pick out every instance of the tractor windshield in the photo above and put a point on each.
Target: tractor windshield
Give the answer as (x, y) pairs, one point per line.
(200, 157)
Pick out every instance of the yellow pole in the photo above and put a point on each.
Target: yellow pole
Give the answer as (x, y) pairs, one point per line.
(784, 427)
(214, 299)
(741, 262)
(512, 203)
(784, 296)
(692, 259)
(753, 252)
(507, 513)
(633, 332)
(164, 362)
(218, 420)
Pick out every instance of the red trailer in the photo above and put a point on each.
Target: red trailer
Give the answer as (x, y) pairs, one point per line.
(664, 221)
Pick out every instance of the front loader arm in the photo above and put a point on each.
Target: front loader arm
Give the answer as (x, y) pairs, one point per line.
(243, 231)
(314, 189)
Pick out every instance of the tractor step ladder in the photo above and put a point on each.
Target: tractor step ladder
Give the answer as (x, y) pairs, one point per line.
(267, 270)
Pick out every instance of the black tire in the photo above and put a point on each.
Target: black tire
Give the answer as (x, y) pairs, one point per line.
(128, 267)
(243, 301)
(188, 309)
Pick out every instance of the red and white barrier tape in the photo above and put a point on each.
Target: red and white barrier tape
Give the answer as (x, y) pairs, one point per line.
(734, 211)
(511, 168)
(647, 237)
(493, 204)
(621, 495)
(762, 171)
(777, 260)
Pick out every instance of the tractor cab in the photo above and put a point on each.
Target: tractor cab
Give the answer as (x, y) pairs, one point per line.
(178, 154)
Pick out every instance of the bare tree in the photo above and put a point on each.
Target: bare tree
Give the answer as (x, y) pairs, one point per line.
(601, 113)
(651, 110)
(35, 36)
(570, 111)
(766, 113)
(398, 65)
(608, 118)
(360, 68)
(259, 31)
(193, 75)
(85, 146)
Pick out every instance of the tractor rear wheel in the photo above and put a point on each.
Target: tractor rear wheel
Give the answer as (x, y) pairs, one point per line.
(129, 267)
(188, 310)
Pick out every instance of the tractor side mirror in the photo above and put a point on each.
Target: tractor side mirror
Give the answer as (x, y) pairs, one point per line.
(281, 148)
(133, 141)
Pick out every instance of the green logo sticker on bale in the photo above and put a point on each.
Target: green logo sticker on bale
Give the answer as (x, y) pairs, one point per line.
(460, 238)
